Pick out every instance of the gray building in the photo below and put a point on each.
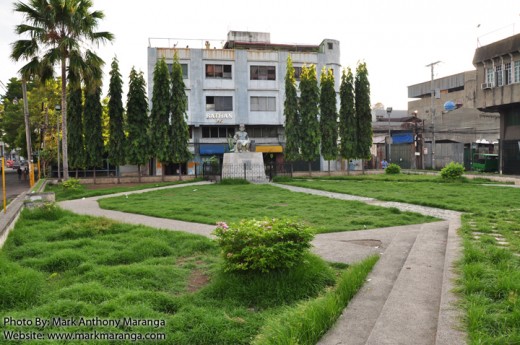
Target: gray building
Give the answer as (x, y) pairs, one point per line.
(239, 81)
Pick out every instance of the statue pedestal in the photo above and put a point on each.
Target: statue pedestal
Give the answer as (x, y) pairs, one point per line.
(245, 165)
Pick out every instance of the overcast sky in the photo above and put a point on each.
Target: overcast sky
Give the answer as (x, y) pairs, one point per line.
(396, 39)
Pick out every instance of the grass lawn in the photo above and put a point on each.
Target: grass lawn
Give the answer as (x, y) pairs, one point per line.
(212, 203)
(59, 265)
(489, 271)
(86, 191)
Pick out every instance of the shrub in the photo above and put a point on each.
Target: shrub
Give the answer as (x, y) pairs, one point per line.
(71, 184)
(393, 169)
(263, 245)
(452, 171)
(233, 181)
(282, 179)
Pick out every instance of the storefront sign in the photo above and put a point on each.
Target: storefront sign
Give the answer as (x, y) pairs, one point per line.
(219, 116)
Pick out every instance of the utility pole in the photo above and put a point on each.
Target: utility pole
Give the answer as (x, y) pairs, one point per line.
(432, 112)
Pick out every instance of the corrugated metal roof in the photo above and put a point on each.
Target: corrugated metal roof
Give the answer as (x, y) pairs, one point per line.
(497, 49)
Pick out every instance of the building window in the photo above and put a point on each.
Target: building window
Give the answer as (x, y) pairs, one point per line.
(500, 75)
(297, 73)
(263, 73)
(330, 45)
(517, 71)
(507, 74)
(262, 131)
(219, 103)
(490, 76)
(217, 132)
(218, 71)
(184, 67)
(258, 103)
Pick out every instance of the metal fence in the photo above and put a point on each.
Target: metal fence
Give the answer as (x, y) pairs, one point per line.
(250, 172)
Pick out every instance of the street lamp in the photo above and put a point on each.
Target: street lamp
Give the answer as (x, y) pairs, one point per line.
(58, 109)
(389, 158)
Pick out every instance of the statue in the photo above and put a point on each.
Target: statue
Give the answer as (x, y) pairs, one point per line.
(241, 140)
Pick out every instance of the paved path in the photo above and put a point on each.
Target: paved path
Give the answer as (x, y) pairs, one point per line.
(407, 298)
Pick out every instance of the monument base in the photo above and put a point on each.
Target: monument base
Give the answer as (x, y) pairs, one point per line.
(244, 165)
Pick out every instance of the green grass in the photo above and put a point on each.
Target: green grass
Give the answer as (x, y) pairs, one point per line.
(230, 203)
(489, 281)
(83, 192)
(57, 264)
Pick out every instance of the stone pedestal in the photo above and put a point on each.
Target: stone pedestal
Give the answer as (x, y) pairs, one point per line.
(245, 165)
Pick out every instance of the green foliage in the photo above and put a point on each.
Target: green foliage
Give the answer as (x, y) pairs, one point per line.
(347, 116)
(72, 184)
(116, 143)
(76, 144)
(292, 116)
(94, 146)
(137, 120)
(393, 169)
(309, 111)
(328, 116)
(160, 114)
(263, 245)
(21, 287)
(363, 112)
(180, 134)
(281, 179)
(452, 171)
(233, 181)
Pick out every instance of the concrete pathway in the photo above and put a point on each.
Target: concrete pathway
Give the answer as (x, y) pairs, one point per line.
(407, 298)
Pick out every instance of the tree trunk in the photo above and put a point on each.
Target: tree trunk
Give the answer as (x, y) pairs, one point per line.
(310, 168)
(117, 174)
(329, 167)
(139, 172)
(77, 173)
(27, 128)
(64, 139)
(94, 175)
(348, 166)
(180, 172)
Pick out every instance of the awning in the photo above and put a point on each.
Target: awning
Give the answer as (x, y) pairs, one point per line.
(269, 148)
(402, 138)
(213, 149)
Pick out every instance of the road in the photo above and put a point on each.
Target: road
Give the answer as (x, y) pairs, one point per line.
(13, 186)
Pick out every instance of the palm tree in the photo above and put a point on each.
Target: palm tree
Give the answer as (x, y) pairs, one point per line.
(57, 28)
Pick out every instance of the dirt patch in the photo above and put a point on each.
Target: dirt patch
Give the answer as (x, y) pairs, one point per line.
(280, 204)
(197, 280)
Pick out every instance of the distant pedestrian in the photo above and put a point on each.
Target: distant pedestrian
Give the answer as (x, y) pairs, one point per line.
(19, 171)
(25, 173)
(384, 164)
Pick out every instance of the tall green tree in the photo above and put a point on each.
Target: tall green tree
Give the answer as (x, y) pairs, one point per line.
(309, 111)
(292, 116)
(75, 134)
(55, 29)
(180, 134)
(328, 117)
(137, 149)
(363, 112)
(116, 143)
(347, 117)
(160, 128)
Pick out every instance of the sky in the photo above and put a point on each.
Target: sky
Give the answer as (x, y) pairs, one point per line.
(396, 39)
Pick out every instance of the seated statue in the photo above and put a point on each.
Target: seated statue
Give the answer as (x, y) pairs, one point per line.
(241, 140)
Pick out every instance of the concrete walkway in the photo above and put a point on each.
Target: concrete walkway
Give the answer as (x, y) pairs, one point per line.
(407, 298)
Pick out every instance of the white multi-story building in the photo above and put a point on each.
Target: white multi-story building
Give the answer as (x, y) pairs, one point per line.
(239, 81)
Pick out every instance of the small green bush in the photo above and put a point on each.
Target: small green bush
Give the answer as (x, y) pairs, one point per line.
(72, 184)
(233, 181)
(393, 169)
(452, 171)
(263, 245)
(282, 179)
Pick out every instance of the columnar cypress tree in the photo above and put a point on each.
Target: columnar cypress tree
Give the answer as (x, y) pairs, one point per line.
(309, 111)
(292, 117)
(76, 143)
(347, 116)
(116, 143)
(160, 115)
(137, 150)
(363, 112)
(93, 134)
(328, 117)
(180, 134)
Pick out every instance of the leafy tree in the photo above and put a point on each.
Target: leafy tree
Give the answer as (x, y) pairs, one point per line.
(75, 134)
(180, 134)
(93, 133)
(363, 112)
(328, 117)
(347, 116)
(137, 121)
(57, 29)
(292, 117)
(116, 143)
(309, 111)
(160, 114)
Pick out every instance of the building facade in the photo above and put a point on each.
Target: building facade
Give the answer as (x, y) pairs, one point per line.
(239, 81)
(498, 90)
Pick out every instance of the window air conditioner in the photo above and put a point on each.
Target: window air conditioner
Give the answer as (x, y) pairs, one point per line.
(486, 86)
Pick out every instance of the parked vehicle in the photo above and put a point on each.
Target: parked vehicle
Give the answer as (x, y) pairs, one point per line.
(485, 162)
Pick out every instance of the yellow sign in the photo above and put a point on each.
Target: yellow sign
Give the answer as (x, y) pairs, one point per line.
(269, 148)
